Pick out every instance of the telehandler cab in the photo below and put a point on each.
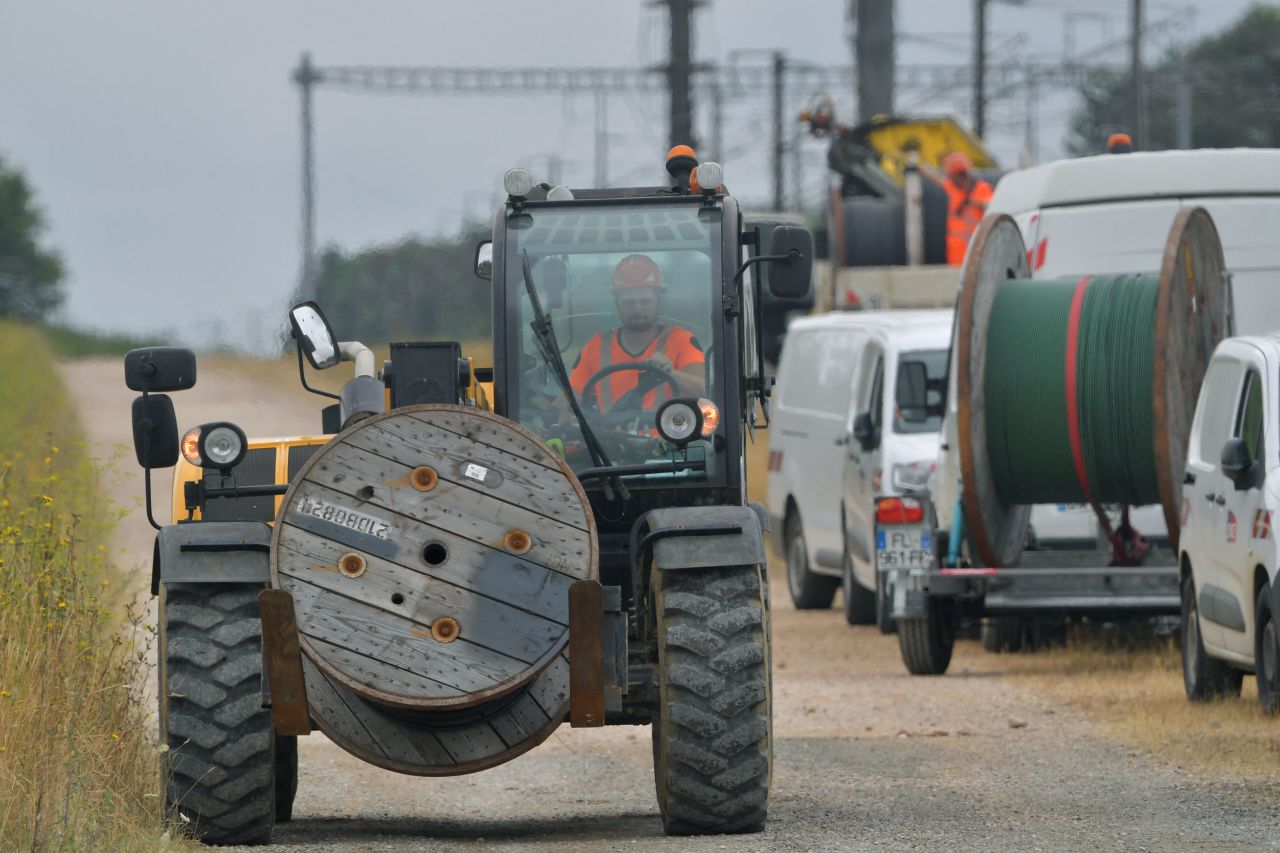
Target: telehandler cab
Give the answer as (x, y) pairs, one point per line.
(437, 586)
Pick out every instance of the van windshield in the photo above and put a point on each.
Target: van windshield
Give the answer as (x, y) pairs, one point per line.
(935, 365)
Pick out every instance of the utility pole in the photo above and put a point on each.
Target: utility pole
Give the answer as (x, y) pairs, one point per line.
(1182, 108)
(980, 67)
(873, 54)
(1137, 84)
(779, 148)
(602, 138)
(305, 76)
(680, 70)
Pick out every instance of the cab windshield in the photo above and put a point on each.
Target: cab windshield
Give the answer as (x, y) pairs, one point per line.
(631, 292)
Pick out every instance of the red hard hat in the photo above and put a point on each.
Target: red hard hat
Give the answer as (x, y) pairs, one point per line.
(636, 271)
(956, 163)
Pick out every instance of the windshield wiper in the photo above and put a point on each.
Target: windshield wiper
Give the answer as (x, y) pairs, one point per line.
(544, 333)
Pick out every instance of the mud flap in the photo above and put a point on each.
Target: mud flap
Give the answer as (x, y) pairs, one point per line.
(285, 691)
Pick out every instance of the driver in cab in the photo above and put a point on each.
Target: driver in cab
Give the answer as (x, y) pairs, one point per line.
(641, 341)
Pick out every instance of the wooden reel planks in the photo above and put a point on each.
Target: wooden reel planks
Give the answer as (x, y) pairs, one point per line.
(997, 532)
(1191, 320)
(463, 741)
(429, 552)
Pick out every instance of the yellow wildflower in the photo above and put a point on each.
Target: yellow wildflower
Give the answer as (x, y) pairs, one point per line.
(46, 500)
(54, 448)
(62, 605)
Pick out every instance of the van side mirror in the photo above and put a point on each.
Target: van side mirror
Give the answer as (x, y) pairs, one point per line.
(159, 369)
(314, 335)
(484, 259)
(865, 432)
(1236, 464)
(912, 394)
(790, 261)
(155, 431)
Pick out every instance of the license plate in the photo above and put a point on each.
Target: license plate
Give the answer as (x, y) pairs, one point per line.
(904, 548)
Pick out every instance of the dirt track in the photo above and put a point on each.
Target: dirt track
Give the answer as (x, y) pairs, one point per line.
(866, 756)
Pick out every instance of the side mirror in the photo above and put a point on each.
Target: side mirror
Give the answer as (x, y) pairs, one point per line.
(155, 431)
(791, 264)
(159, 369)
(912, 395)
(314, 335)
(1236, 464)
(484, 259)
(865, 431)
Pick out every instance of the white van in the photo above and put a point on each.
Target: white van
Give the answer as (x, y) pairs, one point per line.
(1112, 213)
(1230, 501)
(822, 478)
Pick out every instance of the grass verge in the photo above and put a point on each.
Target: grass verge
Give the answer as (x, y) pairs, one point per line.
(1131, 683)
(77, 766)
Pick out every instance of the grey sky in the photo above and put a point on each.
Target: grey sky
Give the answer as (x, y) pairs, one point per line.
(162, 136)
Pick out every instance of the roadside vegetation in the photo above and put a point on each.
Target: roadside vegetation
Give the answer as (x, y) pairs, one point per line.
(78, 770)
(1131, 683)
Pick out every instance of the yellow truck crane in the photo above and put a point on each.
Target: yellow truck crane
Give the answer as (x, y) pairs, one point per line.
(437, 586)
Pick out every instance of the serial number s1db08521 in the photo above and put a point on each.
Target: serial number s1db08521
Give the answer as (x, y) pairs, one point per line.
(904, 548)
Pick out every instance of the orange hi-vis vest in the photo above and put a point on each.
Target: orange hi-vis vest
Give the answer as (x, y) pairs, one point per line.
(605, 349)
(964, 212)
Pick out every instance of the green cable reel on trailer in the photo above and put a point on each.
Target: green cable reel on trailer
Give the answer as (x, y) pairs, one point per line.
(1079, 390)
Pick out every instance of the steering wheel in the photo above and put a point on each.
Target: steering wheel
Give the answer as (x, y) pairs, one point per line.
(633, 400)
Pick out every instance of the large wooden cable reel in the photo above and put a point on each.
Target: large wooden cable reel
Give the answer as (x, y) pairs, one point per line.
(429, 553)
(1190, 320)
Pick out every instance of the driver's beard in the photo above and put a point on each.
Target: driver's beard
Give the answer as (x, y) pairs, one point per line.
(637, 324)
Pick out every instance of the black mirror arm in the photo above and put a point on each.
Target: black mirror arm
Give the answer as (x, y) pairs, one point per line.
(302, 374)
(146, 472)
(791, 255)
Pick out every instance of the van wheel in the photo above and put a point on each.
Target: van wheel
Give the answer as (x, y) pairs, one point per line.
(926, 644)
(884, 605)
(809, 591)
(1203, 677)
(1266, 653)
(859, 602)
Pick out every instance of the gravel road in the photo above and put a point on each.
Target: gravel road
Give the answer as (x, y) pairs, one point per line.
(867, 757)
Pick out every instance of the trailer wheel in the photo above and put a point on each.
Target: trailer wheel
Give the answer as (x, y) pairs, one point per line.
(1266, 647)
(220, 763)
(926, 643)
(1001, 634)
(712, 734)
(884, 605)
(1204, 678)
(809, 590)
(859, 602)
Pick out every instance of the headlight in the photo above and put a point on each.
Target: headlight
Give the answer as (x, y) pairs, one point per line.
(911, 477)
(216, 445)
(679, 421)
(560, 193)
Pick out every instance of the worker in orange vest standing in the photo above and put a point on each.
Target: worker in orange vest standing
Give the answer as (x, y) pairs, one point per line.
(968, 198)
(642, 341)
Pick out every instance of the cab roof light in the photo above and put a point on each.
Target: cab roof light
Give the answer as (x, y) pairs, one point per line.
(517, 182)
